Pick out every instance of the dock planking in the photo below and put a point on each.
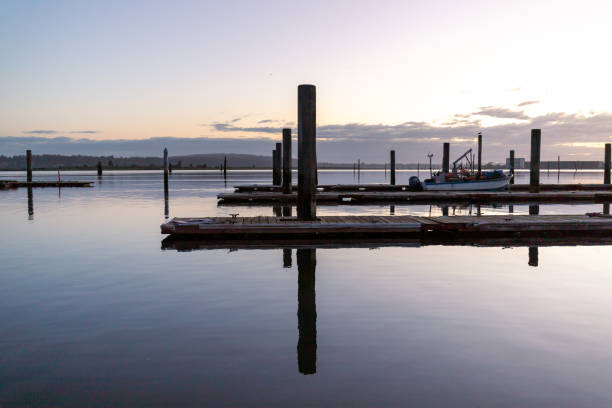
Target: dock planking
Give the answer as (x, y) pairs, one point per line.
(424, 197)
(386, 226)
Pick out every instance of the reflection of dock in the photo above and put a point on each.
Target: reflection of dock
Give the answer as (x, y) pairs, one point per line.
(413, 197)
(10, 184)
(387, 226)
(197, 243)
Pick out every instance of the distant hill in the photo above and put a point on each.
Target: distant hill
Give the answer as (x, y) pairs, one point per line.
(200, 161)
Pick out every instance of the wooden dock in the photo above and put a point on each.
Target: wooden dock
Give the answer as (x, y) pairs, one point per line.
(12, 184)
(353, 227)
(424, 197)
(247, 188)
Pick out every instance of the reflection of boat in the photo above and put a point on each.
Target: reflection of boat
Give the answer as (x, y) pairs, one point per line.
(464, 181)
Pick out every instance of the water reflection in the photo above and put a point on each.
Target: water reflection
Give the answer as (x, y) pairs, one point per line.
(166, 201)
(287, 258)
(307, 311)
(30, 204)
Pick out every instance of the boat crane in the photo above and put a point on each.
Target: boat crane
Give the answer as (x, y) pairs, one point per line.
(461, 157)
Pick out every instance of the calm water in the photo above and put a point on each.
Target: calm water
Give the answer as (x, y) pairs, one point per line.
(95, 313)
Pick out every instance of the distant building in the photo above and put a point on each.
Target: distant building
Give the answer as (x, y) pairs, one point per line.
(569, 165)
(519, 163)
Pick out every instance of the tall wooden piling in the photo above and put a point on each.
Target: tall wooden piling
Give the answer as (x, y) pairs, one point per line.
(445, 157)
(287, 161)
(511, 166)
(224, 166)
(534, 176)
(29, 165)
(607, 155)
(307, 119)
(99, 169)
(392, 165)
(479, 152)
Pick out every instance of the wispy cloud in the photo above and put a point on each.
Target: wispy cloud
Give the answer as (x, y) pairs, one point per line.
(85, 132)
(40, 132)
(527, 103)
(503, 113)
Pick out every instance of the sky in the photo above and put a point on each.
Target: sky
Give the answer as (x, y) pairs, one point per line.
(103, 77)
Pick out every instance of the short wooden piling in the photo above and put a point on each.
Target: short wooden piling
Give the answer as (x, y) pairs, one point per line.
(165, 171)
(307, 119)
(533, 256)
(278, 164)
(287, 161)
(511, 166)
(607, 155)
(29, 165)
(479, 152)
(534, 176)
(274, 169)
(392, 165)
(99, 169)
(445, 157)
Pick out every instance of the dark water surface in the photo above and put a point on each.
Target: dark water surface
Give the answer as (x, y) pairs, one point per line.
(95, 313)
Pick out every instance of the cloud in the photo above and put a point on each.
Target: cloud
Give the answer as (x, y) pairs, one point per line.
(527, 103)
(85, 132)
(40, 132)
(562, 134)
(503, 113)
(266, 121)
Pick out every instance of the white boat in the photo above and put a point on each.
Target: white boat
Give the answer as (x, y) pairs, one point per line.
(493, 181)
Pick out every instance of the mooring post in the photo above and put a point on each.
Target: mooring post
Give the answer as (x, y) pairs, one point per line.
(287, 161)
(479, 152)
(445, 157)
(224, 166)
(534, 176)
(307, 311)
(99, 169)
(558, 168)
(307, 120)
(279, 161)
(274, 169)
(358, 171)
(165, 171)
(29, 165)
(607, 157)
(511, 166)
(392, 164)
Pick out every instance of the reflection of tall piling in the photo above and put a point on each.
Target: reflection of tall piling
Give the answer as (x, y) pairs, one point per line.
(276, 208)
(287, 161)
(534, 209)
(287, 258)
(307, 157)
(533, 256)
(287, 211)
(30, 204)
(307, 311)
(392, 164)
(445, 210)
(29, 165)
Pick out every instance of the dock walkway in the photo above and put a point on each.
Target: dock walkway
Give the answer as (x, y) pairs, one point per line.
(424, 197)
(387, 226)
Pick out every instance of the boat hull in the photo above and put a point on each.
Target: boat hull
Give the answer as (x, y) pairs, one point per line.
(475, 185)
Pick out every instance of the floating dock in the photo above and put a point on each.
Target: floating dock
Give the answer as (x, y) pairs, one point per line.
(247, 188)
(12, 184)
(354, 227)
(424, 197)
